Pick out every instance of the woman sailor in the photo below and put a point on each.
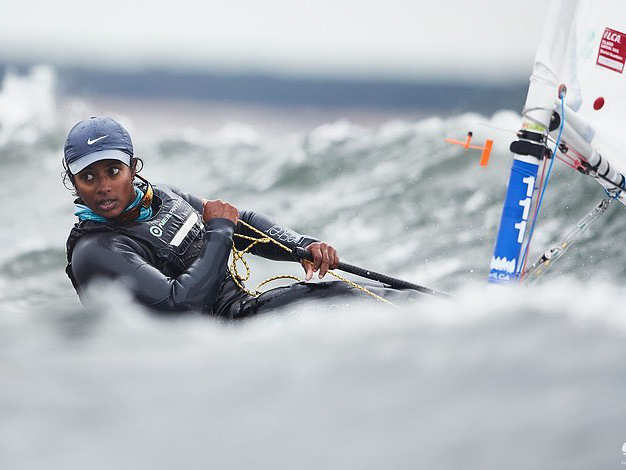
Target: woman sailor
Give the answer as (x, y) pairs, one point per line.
(168, 247)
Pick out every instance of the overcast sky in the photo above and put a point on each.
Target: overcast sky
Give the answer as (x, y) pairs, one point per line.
(393, 38)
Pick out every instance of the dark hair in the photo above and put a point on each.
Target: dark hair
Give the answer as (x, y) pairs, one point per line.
(67, 177)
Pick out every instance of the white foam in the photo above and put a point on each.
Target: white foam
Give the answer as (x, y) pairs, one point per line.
(27, 104)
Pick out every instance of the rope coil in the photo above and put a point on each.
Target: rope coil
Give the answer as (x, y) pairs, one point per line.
(238, 255)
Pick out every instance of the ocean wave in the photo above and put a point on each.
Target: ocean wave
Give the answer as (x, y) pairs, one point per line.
(444, 373)
(33, 262)
(27, 105)
(520, 374)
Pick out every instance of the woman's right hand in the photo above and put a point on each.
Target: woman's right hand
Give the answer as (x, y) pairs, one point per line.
(219, 209)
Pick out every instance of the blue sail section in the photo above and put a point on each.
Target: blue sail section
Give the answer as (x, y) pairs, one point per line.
(514, 222)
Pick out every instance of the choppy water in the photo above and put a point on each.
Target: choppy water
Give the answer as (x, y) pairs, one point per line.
(513, 378)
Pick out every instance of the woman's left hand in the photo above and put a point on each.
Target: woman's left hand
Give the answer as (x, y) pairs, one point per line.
(324, 258)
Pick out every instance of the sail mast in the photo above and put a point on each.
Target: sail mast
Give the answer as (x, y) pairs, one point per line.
(531, 147)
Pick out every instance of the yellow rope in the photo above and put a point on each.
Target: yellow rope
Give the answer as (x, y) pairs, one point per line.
(361, 288)
(239, 279)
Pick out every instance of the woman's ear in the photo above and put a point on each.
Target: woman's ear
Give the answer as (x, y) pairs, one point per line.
(69, 182)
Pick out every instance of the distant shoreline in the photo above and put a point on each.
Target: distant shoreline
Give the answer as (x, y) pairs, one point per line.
(285, 92)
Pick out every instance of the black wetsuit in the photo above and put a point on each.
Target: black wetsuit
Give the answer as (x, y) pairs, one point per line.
(173, 262)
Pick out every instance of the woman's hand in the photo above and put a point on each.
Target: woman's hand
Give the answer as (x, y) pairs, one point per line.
(324, 258)
(219, 209)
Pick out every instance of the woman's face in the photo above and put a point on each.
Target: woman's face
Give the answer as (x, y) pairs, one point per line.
(106, 187)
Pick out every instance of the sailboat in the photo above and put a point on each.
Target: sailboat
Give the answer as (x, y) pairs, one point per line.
(574, 112)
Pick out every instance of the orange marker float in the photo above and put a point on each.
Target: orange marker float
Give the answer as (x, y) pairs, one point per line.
(484, 158)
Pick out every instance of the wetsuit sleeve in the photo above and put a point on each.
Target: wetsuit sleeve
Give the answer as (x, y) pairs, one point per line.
(117, 256)
(193, 200)
(284, 235)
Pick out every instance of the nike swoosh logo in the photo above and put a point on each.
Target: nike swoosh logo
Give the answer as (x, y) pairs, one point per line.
(91, 142)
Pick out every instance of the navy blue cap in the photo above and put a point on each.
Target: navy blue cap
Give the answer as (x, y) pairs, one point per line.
(94, 139)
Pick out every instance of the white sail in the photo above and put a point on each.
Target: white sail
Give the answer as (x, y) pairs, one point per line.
(584, 48)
